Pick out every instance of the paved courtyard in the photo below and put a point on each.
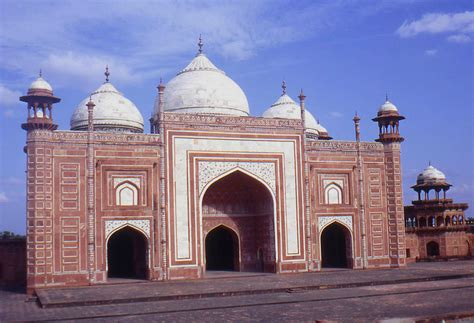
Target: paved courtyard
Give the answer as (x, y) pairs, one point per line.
(421, 291)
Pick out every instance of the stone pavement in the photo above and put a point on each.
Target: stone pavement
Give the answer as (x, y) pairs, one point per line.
(250, 284)
(437, 291)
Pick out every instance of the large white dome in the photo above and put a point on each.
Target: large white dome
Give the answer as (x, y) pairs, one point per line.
(202, 88)
(286, 108)
(112, 112)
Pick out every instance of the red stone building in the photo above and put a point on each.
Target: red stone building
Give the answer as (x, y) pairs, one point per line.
(436, 226)
(210, 188)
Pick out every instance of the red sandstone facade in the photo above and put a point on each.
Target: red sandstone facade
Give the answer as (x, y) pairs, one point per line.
(205, 191)
(60, 250)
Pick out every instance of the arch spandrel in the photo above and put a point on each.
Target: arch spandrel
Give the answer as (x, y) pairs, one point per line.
(209, 171)
(112, 226)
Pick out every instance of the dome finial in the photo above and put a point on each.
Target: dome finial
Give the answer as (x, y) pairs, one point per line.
(283, 87)
(200, 44)
(386, 96)
(107, 74)
(40, 73)
(429, 162)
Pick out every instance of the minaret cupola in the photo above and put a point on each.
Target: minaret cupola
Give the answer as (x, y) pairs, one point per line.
(388, 119)
(40, 100)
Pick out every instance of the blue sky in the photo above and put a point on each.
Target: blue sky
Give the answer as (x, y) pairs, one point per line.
(345, 55)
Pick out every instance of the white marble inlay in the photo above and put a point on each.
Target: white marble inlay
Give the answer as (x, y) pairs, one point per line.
(142, 225)
(182, 145)
(209, 170)
(325, 220)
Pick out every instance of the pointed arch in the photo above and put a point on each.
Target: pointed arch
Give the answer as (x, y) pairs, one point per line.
(246, 204)
(126, 194)
(222, 245)
(333, 194)
(127, 253)
(336, 245)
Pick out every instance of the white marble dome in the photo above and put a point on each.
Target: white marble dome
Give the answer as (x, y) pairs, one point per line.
(286, 108)
(388, 107)
(112, 112)
(202, 88)
(431, 176)
(40, 84)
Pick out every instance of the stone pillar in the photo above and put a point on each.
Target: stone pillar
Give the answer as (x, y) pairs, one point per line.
(395, 204)
(39, 210)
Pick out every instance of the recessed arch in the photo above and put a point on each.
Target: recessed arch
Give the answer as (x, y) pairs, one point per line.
(332, 194)
(127, 253)
(244, 204)
(432, 249)
(222, 249)
(336, 245)
(126, 194)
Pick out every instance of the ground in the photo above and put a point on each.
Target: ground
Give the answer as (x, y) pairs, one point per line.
(435, 291)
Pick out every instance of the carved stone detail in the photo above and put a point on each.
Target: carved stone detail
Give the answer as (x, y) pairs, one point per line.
(209, 170)
(142, 225)
(324, 220)
(344, 146)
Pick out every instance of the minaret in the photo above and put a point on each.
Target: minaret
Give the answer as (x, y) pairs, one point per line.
(155, 119)
(39, 170)
(302, 97)
(40, 100)
(388, 119)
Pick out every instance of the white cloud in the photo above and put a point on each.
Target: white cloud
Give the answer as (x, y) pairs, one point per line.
(9, 97)
(10, 100)
(3, 198)
(431, 52)
(459, 38)
(436, 23)
(336, 114)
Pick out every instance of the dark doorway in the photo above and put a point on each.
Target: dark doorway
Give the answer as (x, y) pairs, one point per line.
(432, 249)
(335, 246)
(222, 249)
(126, 254)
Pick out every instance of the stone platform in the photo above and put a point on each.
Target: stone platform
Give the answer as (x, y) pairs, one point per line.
(221, 284)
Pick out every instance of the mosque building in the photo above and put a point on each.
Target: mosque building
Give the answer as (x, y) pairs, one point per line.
(210, 188)
(435, 225)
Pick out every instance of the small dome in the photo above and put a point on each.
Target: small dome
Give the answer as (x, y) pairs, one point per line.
(286, 108)
(431, 176)
(388, 107)
(40, 84)
(112, 112)
(202, 88)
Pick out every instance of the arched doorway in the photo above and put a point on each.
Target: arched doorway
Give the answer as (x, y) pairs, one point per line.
(432, 249)
(336, 247)
(126, 254)
(222, 249)
(238, 205)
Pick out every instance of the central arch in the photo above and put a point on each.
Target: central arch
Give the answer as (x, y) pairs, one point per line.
(336, 247)
(127, 254)
(238, 217)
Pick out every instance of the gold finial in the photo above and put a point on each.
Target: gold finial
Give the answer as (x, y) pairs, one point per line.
(200, 44)
(283, 87)
(107, 74)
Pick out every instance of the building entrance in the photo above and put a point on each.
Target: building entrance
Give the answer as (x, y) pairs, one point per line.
(238, 214)
(126, 254)
(336, 247)
(432, 249)
(222, 250)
